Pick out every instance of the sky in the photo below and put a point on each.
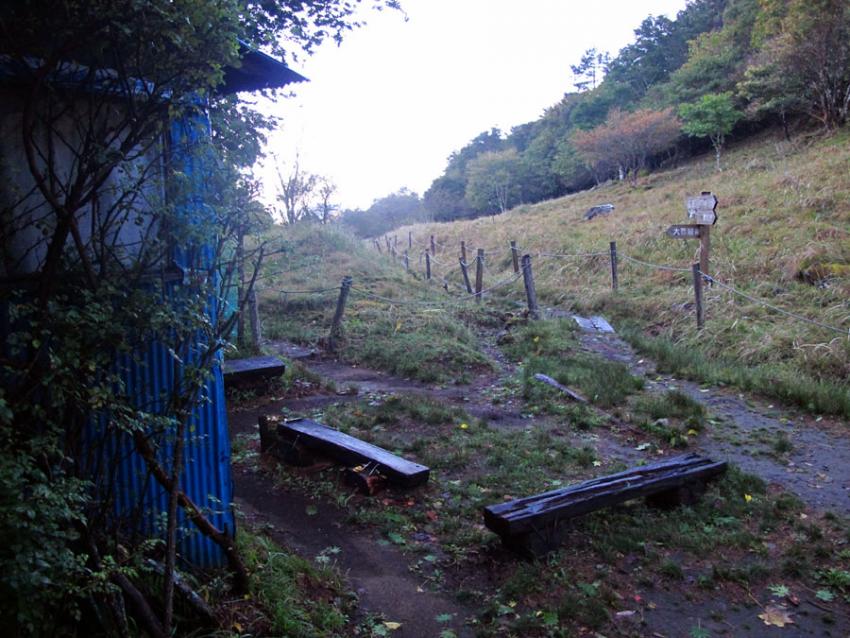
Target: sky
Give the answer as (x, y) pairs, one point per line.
(386, 108)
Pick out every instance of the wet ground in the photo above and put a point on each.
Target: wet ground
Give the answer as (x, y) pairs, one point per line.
(742, 430)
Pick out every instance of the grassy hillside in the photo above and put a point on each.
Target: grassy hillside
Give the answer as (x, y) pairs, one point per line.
(783, 236)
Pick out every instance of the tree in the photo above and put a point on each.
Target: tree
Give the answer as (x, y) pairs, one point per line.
(385, 213)
(93, 218)
(713, 116)
(494, 182)
(590, 70)
(627, 141)
(294, 191)
(326, 190)
(809, 58)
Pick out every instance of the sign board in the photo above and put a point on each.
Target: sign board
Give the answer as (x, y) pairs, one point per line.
(684, 231)
(702, 209)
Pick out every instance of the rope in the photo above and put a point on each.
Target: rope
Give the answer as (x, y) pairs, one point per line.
(656, 266)
(776, 308)
(315, 291)
(568, 256)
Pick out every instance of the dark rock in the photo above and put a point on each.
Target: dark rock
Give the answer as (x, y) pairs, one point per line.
(601, 209)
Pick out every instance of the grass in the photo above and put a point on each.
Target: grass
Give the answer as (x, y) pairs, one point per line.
(419, 333)
(290, 596)
(738, 532)
(784, 214)
(550, 347)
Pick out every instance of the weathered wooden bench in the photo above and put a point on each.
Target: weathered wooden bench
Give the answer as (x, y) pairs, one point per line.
(241, 373)
(532, 525)
(287, 438)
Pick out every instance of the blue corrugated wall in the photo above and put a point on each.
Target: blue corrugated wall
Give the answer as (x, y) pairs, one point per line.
(150, 374)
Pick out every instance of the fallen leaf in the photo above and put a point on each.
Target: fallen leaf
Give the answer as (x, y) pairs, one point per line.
(392, 626)
(776, 616)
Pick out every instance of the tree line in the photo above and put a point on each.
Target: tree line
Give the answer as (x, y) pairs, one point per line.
(721, 66)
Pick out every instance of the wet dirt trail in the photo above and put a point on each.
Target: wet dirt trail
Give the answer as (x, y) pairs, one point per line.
(744, 431)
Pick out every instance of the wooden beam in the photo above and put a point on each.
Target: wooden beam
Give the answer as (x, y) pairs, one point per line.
(352, 451)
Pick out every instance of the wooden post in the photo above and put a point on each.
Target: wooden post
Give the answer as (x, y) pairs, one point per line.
(406, 261)
(465, 272)
(395, 242)
(433, 246)
(479, 274)
(515, 255)
(240, 287)
(530, 292)
(463, 251)
(389, 246)
(395, 254)
(427, 265)
(378, 245)
(698, 295)
(254, 308)
(410, 240)
(333, 337)
(613, 247)
(704, 247)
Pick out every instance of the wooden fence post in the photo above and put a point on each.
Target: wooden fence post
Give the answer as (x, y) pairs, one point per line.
(479, 274)
(433, 246)
(377, 245)
(465, 273)
(613, 247)
(515, 256)
(406, 261)
(333, 337)
(410, 240)
(530, 292)
(254, 307)
(698, 295)
(463, 251)
(427, 264)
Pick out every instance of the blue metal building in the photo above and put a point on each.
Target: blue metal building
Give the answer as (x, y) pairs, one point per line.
(150, 372)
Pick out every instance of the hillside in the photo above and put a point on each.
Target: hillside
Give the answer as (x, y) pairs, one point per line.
(783, 237)
(424, 370)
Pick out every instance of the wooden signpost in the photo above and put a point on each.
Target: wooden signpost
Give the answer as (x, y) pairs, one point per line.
(702, 211)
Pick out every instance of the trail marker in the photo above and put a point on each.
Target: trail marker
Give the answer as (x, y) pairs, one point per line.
(702, 210)
(684, 231)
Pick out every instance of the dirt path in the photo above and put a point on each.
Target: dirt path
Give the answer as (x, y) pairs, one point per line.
(746, 433)
(377, 572)
(742, 432)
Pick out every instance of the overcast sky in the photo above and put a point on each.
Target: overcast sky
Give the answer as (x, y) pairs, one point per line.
(386, 108)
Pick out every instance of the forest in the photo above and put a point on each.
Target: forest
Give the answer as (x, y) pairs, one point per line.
(720, 69)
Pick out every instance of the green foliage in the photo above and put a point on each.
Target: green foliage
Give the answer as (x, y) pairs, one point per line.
(549, 347)
(493, 182)
(385, 213)
(713, 116)
(301, 600)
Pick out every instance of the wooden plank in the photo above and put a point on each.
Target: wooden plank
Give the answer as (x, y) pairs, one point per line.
(251, 370)
(575, 396)
(524, 515)
(702, 208)
(352, 451)
(684, 231)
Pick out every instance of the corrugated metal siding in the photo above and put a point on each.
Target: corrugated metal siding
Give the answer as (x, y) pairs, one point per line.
(149, 376)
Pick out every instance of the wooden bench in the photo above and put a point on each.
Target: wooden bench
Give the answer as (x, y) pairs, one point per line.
(531, 525)
(241, 373)
(351, 451)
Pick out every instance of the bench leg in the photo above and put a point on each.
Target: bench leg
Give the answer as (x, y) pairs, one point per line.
(684, 495)
(539, 542)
